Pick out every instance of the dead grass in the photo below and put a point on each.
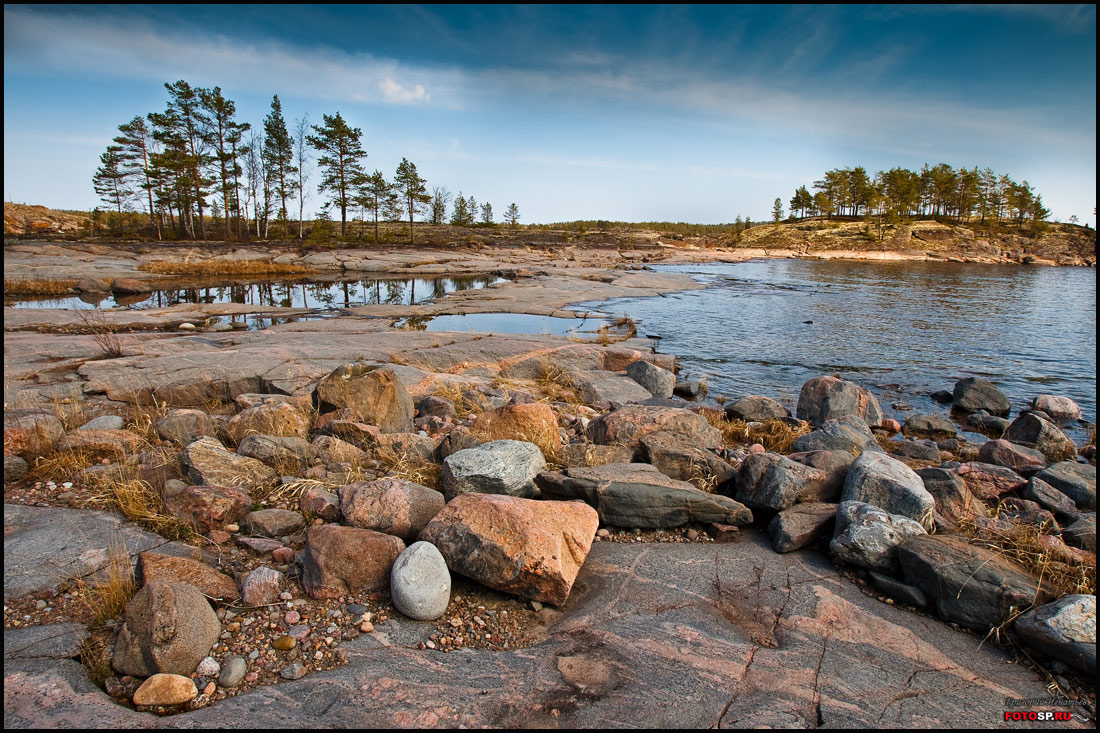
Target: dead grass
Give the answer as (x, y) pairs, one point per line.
(466, 401)
(1021, 545)
(775, 435)
(39, 287)
(138, 501)
(60, 465)
(106, 595)
(553, 382)
(104, 333)
(411, 467)
(546, 437)
(239, 268)
(96, 661)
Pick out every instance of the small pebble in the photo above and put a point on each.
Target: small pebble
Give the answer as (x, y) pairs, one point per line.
(209, 689)
(292, 617)
(232, 528)
(251, 677)
(294, 671)
(286, 595)
(366, 627)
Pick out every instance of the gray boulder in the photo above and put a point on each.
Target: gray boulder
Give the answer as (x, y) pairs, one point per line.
(169, 627)
(499, 467)
(835, 464)
(685, 462)
(849, 433)
(185, 426)
(1022, 460)
(390, 505)
(1075, 480)
(1049, 497)
(272, 522)
(770, 481)
(933, 425)
(420, 582)
(657, 381)
(1082, 533)
(973, 394)
(867, 536)
(104, 422)
(15, 468)
(275, 451)
(1031, 429)
(1059, 408)
(875, 478)
(827, 398)
(206, 461)
(801, 525)
(373, 391)
(1064, 629)
(989, 424)
(919, 450)
(756, 408)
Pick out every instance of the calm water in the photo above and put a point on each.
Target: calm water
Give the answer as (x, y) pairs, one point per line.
(901, 329)
(514, 323)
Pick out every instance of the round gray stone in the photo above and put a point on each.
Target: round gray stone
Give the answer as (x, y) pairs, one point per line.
(420, 582)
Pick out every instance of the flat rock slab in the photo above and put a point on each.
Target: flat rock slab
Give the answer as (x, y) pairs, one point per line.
(44, 547)
(53, 641)
(658, 635)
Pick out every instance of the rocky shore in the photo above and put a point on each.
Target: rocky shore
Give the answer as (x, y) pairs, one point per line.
(335, 522)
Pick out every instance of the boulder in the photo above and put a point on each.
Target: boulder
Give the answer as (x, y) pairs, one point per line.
(166, 689)
(971, 586)
(104, 422)
(685, 462)
(390, 505)
(1032, 430)
(1022, 460)
(930, 425)
(420, 582)
(628, 425)
(185, 426)
(281, 419)
(206, 461)
(1059, 408)
(533, 549)
(272, 522)
(373, 391)
(899, 591)
(339, 560)
(214, 585)
(433, 406)
(756, 408)
(356, 432)
(1064, 629)
(1049, 498)
(596, 386)
(990, 482)
(877, 479)
(168, 627)
(835, 464)
(333, 450)
(801, 525)
(533, 422)
(848, 433)
(954, 501)
(30, 436)
(770, 481)
(207, 507)
(262, 586)
(411, 445)
(15, 468)
(688, 389)
(655, 380)
(458, 439)
(317, 501)
(282, 453)
(973, 394)
(1082, 533)
(101, 442)
(916, 450)
(827, 398)
(500, 467)
(590, 454)
(988, 424)
(1075, 480)
(868, 537)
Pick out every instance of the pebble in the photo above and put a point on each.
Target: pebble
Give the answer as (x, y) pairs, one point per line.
(40, 605)
(251, 677)
(209, 689)
(603, 533)
(166, 689)
(286, 595)
(292, 617)
(294, 671)
(233, 671)
(366, 627)
(208, 667)
(232, 528)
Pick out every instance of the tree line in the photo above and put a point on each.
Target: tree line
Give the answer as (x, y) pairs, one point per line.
(937, 191)
(195, 165)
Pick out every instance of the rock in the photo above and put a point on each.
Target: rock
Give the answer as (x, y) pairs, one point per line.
(1082, 533)
(317, 501)
(596, 386)
(214, 585)
(1059, 408)
(233, 671)
(500, 467)
(930, 425)
(435, 406)
(261, 545)
(186, 426)
(1064, 630)
(281, 419)
(458, 439)
(942, 396)
(917, 450)
(101, 442)
(867, 536)
(973, 394)
(15, 468)
(169, 627)
(828, 398)
(987, 481)
(756, 408)
(1049, 497)
(333, 450)
(208, 667)
(899, 591)
(30, 436)
(590, 454)
(533, 422)
(688, 389)
(848, 433)
(207, 507)
(93, 285)
(770, 481)
(801, 525)
(390, 505)
(272, 522)
(130, 285)
(1023, 511)
(411, 445)
(339, 560)
(877, 479)
(638, 495)
(357, 433)
(52, 641)
(834, 463)
(1075, 480)
(655, 380)
(104, 422)
(281, 453)
(628, 425)
(1033, 431)
(294, 671)
(685, 462)
(533, 549)
(1020, 459)
(954, 501)
(420, 582)
(971, 586)
(373, 391)
(166, 689)
(206, 461)
(989, 424)
(262, 586)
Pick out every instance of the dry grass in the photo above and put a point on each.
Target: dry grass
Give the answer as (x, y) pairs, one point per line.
(38, 288)
(104, 333)
(553, 382)
(139, 502)
(1021, 545)
(60, 465)
(289, 494)
(411, 467)
(466, 401)
(105, 597)
(775, 435)
(240, 268)
(96, 660)
(546, 437)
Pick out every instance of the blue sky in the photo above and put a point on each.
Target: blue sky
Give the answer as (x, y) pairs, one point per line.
(684, 113)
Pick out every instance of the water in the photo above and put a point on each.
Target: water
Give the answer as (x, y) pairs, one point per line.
(512, 323)
(902, 329)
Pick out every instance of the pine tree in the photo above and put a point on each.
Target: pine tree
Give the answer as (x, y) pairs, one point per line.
(301, 155)
(180, 128)
(136, 143)
(777, 210)
(110, 179)
(511, 215)
(222, 134)
(372, 196)
(440, 197)
(461, 212)
(341, 155)
(411, 188)
(486, 213)
(279, 156)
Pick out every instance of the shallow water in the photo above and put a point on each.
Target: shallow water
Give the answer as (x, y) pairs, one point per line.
(511, 323)
(902, 329)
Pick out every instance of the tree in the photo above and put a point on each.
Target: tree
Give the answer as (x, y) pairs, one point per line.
(486, 213)
(777, 210)
(222, 134)
(259, 192)
(373, 194)
(180, 129)
(340, 160)
(511, 215)
(440, 197)
(301, 155)
(109, 180)
(461, 213)
(411, 188)
(471, 210)
(279, 156)
(136, 144)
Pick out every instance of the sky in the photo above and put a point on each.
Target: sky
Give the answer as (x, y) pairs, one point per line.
(628, 113)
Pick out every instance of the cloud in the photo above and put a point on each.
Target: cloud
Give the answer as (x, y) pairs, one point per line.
(397, 94)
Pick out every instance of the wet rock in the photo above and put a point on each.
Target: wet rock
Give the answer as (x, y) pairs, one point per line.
(801, 525)
(499, 467)
(104, 422)
(281, 419)
(207, 507)
(990, 482)
(973, 394)
(1064, 630)
(1082, 533)
(628, 425)
(185, 426)
(532, 422)
(339, 560)
(1059, 408)
(533, 549)
(1022, 460)
(770, 481)
(828, 398)
(877, 479)
(216, 586)
(756, 408)
(834, 463)
(272, 522)
(868, 537)
(206, 461)
(169, 627)
(986, 423)
(390, 505)
(275, 451)
(1075, 480)
(638, 495)
(655, 380)
(919, 450)
(262, 586)
(929, 425)
(317, 501)
(93, 285)
(954, 501)
(420, 582)
(688, 389)
(129, 286)
(373, 391)
(15, 468)
(971, 586)
(849, 433)
(1034, 431)
(30, 436)
(333, 450)
(942, 396)
(685, 462)
(166, 689)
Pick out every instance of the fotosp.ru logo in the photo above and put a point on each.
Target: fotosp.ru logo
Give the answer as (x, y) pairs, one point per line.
(1041, 716)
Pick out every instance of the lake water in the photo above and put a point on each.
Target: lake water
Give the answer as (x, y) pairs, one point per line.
(902, 329)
